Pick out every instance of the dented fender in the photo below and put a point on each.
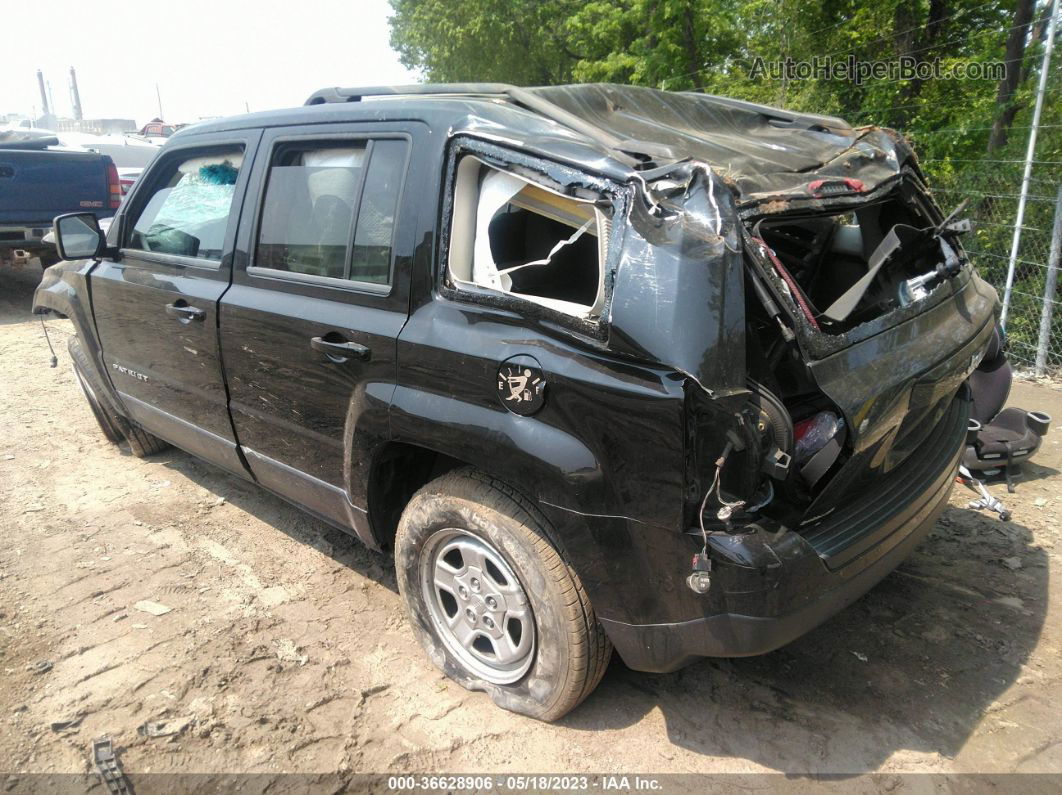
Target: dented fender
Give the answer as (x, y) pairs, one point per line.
(562, 467)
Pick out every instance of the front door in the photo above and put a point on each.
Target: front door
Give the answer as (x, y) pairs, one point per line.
(155, 305)
(309, 327)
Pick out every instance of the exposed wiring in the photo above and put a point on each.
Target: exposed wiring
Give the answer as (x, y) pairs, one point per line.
(727, 507)
(55, 360)
(700, 514)
(719, 496)
(762, 503)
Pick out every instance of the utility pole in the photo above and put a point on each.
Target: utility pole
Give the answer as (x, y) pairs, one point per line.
(1030, 152)
(158, 96)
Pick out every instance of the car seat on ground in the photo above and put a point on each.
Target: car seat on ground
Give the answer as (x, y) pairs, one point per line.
(1002, 438)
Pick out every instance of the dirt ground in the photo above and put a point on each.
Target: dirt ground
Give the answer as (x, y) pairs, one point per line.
(286, 648)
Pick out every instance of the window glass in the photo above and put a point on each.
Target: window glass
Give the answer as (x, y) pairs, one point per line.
(321, 198)
(188, 213)
(309, 208)
(371, 258)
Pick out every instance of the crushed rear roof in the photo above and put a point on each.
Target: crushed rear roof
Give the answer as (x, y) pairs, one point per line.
(764, 151)
(761, 151)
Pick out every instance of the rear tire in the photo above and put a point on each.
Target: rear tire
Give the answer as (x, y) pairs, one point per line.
(114, 426)
(492, 600)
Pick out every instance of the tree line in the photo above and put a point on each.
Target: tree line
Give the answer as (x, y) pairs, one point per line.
(711, 46)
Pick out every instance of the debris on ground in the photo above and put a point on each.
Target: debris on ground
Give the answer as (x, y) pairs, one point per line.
(105, 760)
(164, 728)
(66, 724)
(154, 608)
(287, 651)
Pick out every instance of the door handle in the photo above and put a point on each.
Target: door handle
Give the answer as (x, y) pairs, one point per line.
(340, 351)
(183, 312)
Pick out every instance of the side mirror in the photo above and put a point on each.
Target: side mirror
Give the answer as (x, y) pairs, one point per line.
(78, 236)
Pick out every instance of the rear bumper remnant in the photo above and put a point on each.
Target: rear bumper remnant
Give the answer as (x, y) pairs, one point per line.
(774, 585)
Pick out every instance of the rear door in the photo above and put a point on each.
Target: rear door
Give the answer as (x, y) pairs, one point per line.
(155, 306)
(309, 326)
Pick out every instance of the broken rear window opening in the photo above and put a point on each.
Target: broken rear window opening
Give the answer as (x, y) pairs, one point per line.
(846, 268)
(517, 237)
(844, 272)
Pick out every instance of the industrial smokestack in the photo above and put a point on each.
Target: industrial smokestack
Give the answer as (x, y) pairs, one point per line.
(75, 97)
(44, 93)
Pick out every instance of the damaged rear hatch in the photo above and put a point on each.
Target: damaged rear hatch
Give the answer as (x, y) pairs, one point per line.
(879, 321)
(863, 316)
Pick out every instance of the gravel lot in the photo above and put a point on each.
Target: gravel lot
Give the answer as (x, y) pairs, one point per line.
(286, 649)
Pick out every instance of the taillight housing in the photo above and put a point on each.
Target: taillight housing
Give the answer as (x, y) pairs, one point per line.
(114, 187)
(822, 188)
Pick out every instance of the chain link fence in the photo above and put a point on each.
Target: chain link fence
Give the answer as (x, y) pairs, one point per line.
(993, 189)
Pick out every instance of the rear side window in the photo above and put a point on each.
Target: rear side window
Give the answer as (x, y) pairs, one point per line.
(188, 212)
(371, 261)
(309, 205)
(329, 210)
(514, 236)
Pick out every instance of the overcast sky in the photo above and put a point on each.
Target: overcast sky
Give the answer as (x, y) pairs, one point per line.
(208, 57)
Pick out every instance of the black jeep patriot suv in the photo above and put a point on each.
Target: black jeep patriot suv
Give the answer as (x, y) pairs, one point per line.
(604, 366)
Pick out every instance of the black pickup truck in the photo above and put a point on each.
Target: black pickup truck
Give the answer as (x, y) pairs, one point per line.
(604, 366)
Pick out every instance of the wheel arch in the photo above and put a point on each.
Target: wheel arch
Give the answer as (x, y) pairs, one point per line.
(399, 469)
(64, 290)
(397, 472)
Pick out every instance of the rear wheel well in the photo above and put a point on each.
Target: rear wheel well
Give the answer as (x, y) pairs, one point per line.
(398, 472)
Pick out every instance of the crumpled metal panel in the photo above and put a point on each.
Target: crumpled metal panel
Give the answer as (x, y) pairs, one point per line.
(679, 295)
(761, 151)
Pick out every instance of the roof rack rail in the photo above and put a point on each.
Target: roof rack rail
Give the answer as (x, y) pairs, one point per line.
(524, 97)
(338, 94)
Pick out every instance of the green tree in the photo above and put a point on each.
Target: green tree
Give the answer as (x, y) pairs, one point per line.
(970, 134)
(710, 45)
(510, 41)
